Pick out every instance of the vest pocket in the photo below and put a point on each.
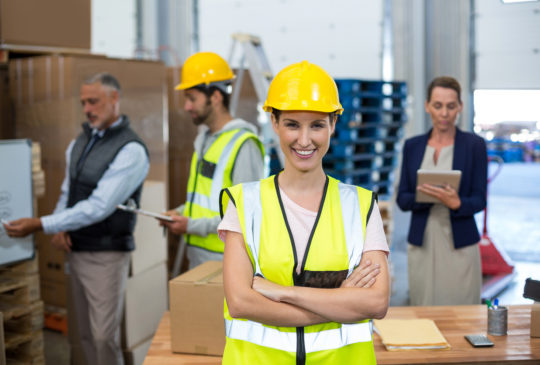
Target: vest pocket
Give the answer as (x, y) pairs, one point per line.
(321, 279)
(207, 169)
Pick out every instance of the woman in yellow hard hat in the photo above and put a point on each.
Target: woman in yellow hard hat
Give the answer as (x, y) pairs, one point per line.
(305, 264)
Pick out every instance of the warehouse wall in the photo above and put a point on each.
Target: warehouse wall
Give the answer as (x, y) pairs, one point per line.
(507, 45)
(432, 38)
(113, 27)
(342, 37)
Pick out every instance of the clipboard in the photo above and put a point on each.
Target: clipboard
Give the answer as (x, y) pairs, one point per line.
(437, 178)
(144, 212)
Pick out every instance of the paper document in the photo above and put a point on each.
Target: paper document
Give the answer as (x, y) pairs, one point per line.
(144, 212)
(410, 334)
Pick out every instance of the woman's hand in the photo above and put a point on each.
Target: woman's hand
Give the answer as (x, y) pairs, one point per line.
(446, 194)
(269, 289)
(363, 276)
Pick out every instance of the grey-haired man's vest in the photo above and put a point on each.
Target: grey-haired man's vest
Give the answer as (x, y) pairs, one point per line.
(114, 233)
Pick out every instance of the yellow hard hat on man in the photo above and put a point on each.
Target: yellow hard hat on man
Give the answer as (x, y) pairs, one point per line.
(204, 68)
(303, 86)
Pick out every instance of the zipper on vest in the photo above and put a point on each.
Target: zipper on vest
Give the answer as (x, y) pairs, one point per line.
(300, 346)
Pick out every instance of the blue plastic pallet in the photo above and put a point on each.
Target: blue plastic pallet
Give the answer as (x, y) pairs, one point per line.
(360, 157)
(356, 86)
(354, 117)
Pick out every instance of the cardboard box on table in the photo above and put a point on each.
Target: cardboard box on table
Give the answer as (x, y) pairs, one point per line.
(196, 305)
(53, 23)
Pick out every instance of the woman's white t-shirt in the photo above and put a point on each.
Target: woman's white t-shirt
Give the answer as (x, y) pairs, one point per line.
(301, 222)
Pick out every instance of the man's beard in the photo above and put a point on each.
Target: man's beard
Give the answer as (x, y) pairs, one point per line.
(204, 117)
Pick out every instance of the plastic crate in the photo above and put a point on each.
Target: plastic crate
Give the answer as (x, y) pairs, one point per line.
(346, 86)
(350, 101)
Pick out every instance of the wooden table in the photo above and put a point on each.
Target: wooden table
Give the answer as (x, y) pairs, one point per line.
(453, 321)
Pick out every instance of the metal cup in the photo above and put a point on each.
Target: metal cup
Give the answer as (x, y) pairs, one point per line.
(497, 321)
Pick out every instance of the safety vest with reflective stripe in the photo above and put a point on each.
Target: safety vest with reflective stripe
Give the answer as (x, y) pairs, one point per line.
(333, 251)
(208, 176)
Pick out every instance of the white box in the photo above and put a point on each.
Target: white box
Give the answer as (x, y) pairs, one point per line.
(136, 355)
(146, 301)
(150, 242)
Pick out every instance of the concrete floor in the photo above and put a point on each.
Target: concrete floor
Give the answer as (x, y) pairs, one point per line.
(514, 208)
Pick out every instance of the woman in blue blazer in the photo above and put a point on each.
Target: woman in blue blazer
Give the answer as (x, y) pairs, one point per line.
(443, 255)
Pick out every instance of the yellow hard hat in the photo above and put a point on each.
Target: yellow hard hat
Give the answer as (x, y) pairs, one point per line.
(303, 86)
(204, 68)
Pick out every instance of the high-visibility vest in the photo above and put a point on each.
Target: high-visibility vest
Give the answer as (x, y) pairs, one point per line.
(333, 251)
(208, 176)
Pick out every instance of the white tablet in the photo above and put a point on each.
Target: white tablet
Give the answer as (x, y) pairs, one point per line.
(127, 208)
(437, 178)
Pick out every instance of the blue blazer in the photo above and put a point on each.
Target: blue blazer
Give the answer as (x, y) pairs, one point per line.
(470, 157)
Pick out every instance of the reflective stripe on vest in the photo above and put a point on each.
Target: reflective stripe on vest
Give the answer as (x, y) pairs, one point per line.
(354, 233)
(204, 185)
(212, 202)
(326, 339)
(331, 339)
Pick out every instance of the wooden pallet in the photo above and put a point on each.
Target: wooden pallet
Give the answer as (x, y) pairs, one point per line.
(10, 51)
(18, 290)
(29, 351)
(22, 312)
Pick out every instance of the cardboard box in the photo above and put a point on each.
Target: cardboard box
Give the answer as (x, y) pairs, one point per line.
(54, 293)
(51, 260)
(57, 23)
(182, 133)
(196, 305)
(145, 303)
(136, 355)
(45, 92)
(7, 121)
(150, 238)
(535, 319)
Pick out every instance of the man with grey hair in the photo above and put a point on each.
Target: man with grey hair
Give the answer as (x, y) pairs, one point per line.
(105, 166)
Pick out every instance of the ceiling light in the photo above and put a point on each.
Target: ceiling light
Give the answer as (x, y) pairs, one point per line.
(517, 1)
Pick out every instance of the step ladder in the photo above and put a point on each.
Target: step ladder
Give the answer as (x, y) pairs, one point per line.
(253, 58)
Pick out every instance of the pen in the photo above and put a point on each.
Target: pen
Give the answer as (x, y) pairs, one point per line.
(496, 303)
(488, 302)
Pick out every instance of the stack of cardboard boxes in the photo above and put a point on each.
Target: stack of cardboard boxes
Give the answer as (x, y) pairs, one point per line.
(52, 23)
(22, 312)
(45, 92)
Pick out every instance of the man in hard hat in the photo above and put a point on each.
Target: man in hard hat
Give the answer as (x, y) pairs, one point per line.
(226, 152)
